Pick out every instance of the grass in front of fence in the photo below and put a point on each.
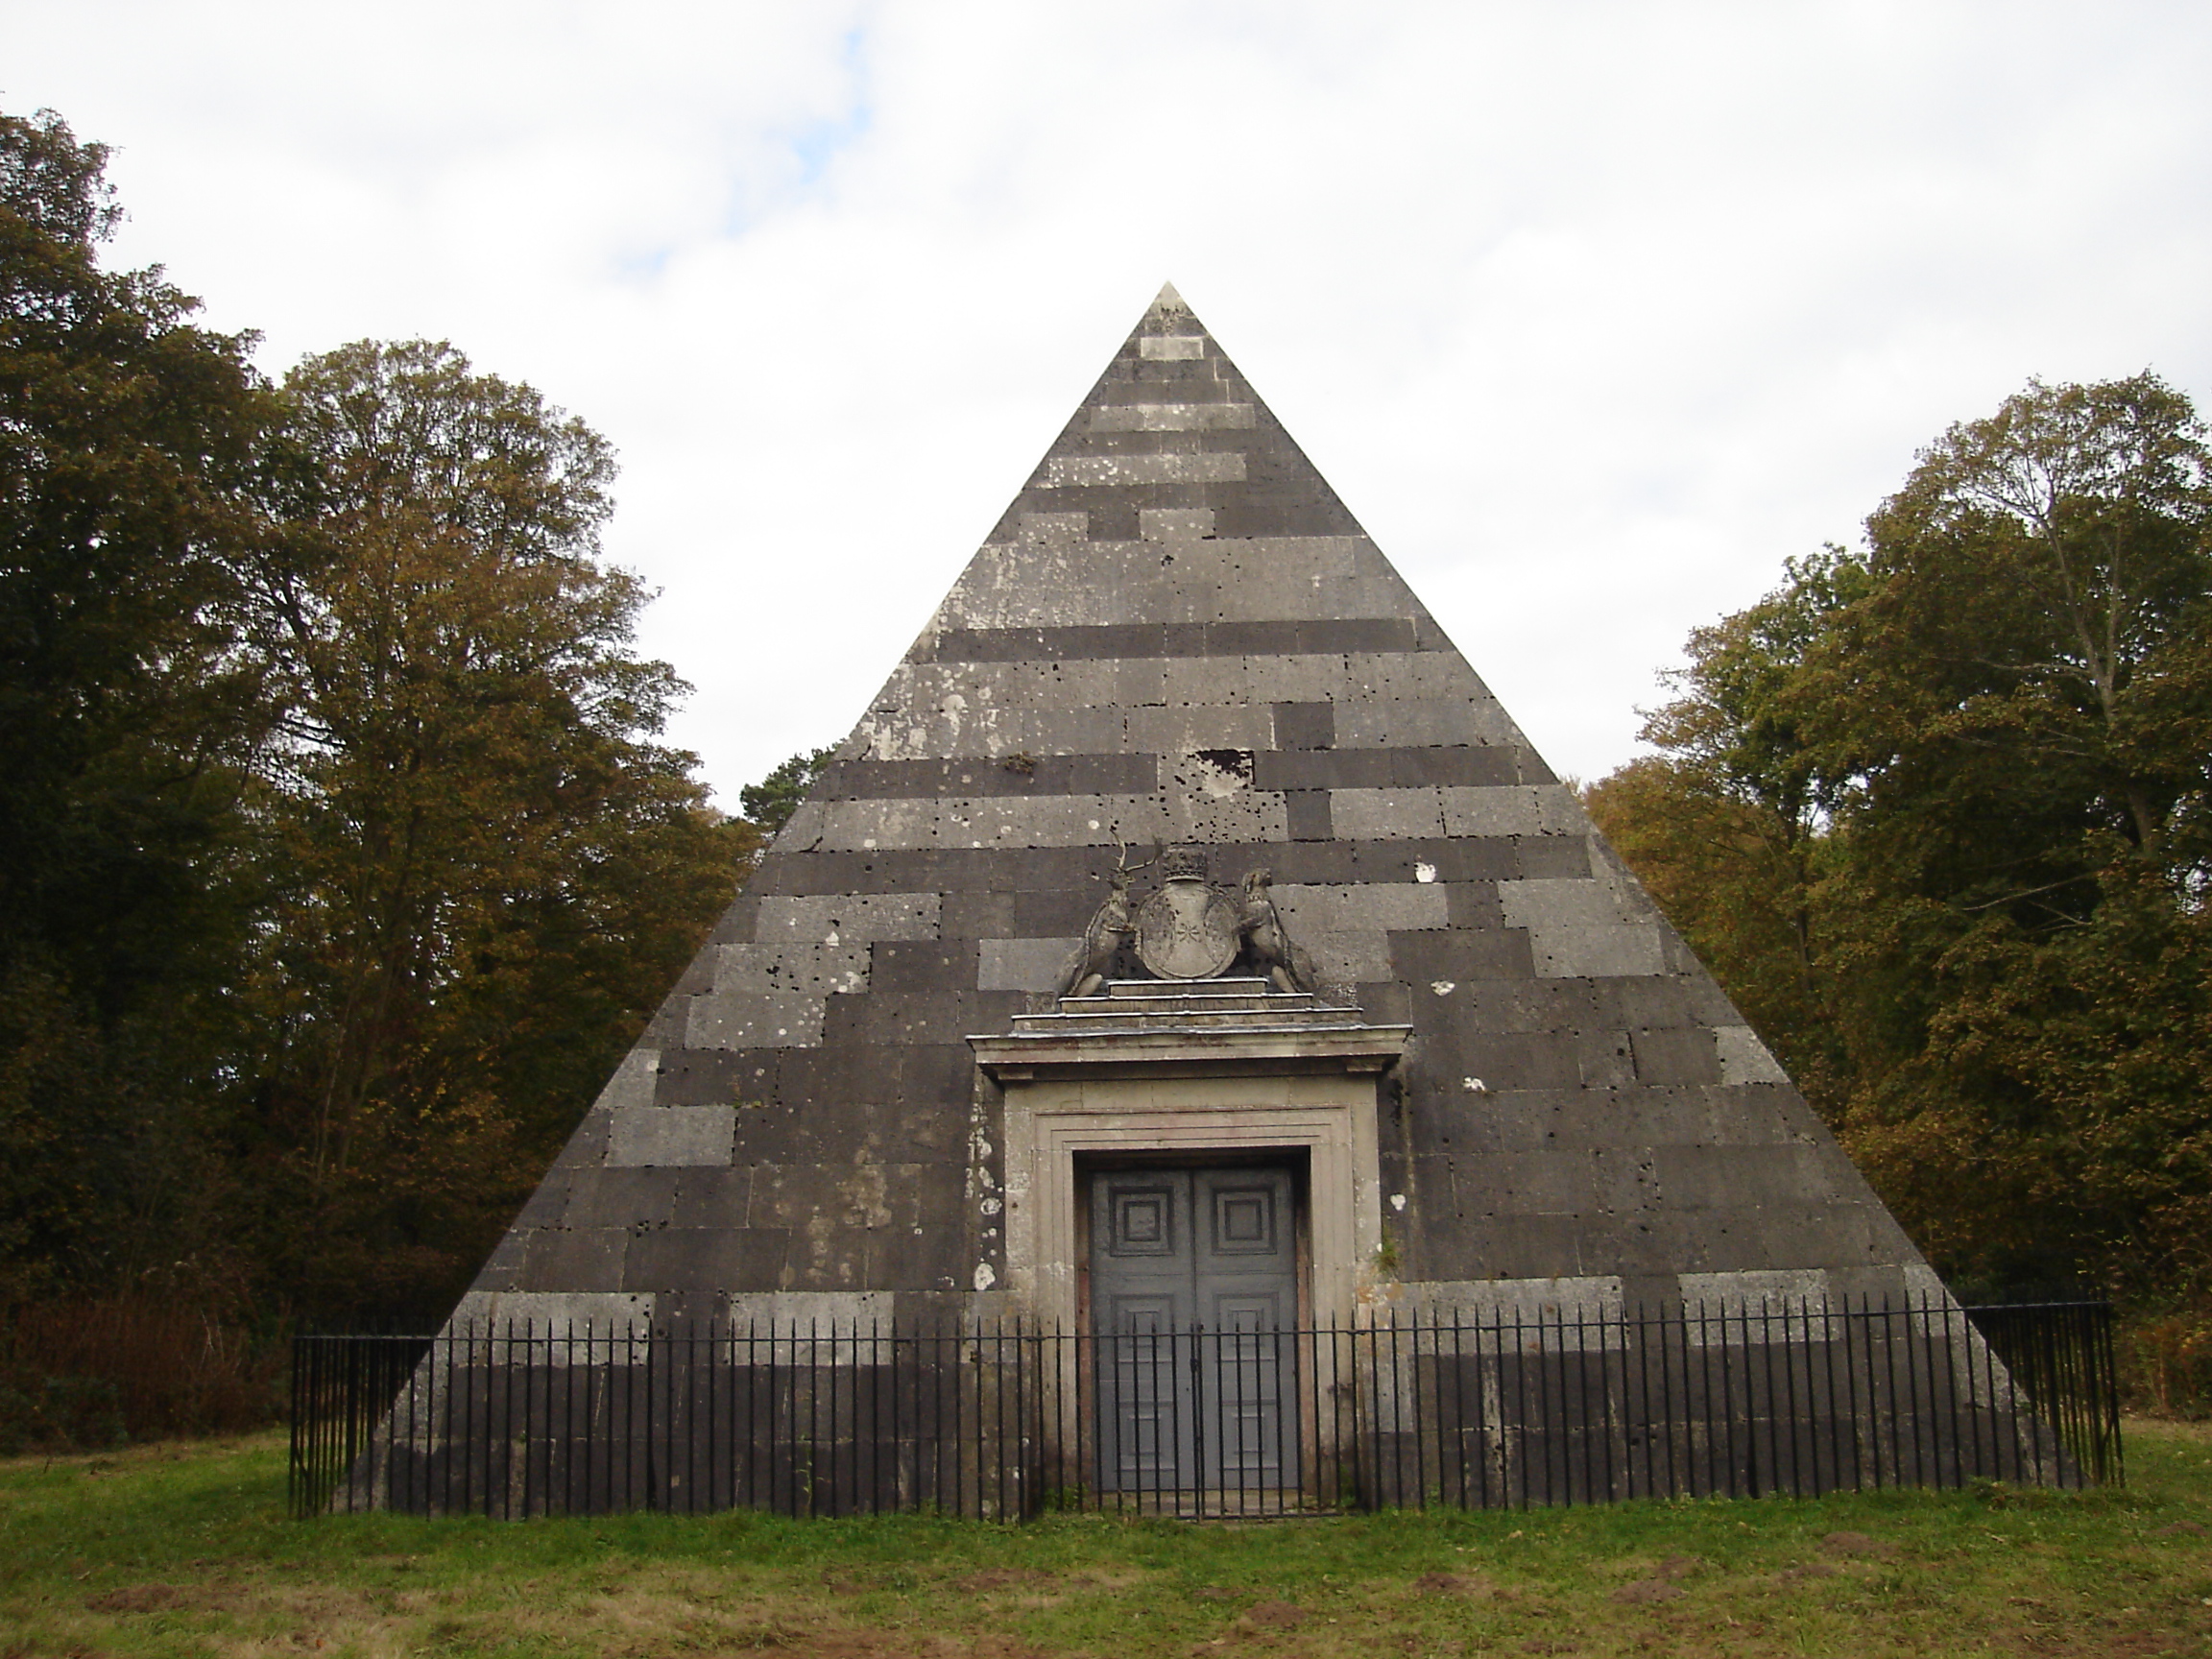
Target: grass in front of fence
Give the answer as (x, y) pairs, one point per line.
(184, 1549)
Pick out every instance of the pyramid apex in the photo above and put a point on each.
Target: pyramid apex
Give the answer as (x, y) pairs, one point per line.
(1169, 300)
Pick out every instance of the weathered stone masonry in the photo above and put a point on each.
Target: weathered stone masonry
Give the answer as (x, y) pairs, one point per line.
(1177, 634)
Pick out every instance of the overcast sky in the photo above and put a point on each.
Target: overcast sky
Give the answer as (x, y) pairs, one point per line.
(1591, 312)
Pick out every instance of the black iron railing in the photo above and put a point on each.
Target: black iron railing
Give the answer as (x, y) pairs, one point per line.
(1505, 1408)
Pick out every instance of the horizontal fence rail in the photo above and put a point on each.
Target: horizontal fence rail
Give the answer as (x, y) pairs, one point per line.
(515, 1419)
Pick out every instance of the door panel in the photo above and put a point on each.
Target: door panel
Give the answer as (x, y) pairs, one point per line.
(1194, 1286)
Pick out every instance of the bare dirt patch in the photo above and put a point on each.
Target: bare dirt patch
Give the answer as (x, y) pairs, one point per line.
(1454, 1584)
(1275, 1616)
(1857, 1544)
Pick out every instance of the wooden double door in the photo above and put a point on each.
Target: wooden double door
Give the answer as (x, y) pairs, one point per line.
(1194, 1308)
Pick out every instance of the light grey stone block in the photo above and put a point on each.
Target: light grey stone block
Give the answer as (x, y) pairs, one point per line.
(1181, 730)
(1412, 814)
(632, 1084)
(571, 1327)
(1570, 1315)
(1568, 901)
(815, 969)
(1075, 731)
(1755, 1306)
(1024, 964)
(671, 1137)
(1576, 952)
(1412, 674)
(736, 1019)
(1378, 906)
(851, 919)
(1174, 523)
(1172, 418)
(1743, 1058)
(1346, 955)
(1423, 722)
(1171, 348)
(1512, 809)
(1092, 471)
(1054, 529)
(797, 1327)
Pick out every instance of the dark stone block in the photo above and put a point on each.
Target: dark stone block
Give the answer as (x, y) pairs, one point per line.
(937, 1075)
(1387, 1005)
(906, 965)
(1058, 913)
(1626, 1178)
(586, 1148)
(1521, 1059)
(1518, 1246)
(969, 915)
(1534, 1004)
(1251, 639)
(1549, 857)
(546, 1206)
(890, 1019)
(791, 1196)
(1607, 1058)
(1646, 1000)
(779, 1132)
(1474, 904)
(1314, 863)
(681, 1258)
(633, 1199)
(1474, 858)
(1676, 1056)
(665, 1029)
(1351, 634)
(713, 1076)
(1307, 813)
(1422, 956)
(1304, 725)
(925, 1257)
(711, 1197)
(576, 1260)
(736, 923)
(1323, 769)
(1429, 634)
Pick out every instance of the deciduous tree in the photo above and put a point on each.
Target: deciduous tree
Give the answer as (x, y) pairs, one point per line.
(490, 868)
(1972, 768)
(128, 441)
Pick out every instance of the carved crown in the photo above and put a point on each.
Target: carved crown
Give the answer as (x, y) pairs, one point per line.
(1183, 864)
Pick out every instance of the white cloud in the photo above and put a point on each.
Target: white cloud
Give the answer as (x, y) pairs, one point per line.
(1593, 312)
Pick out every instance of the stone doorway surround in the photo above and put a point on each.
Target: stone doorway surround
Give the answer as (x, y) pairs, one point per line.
(1219, 1067)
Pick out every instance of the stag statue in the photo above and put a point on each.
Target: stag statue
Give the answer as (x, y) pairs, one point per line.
(1113, 927)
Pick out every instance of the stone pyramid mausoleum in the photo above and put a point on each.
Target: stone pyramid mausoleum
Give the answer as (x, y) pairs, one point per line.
(1185, 933)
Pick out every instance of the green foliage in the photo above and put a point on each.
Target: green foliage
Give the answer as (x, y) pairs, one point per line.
(128, 449)
(1936, 815)
(771, 802)
(485, 870)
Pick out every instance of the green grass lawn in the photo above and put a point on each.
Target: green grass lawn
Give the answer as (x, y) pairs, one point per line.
(185, 1548)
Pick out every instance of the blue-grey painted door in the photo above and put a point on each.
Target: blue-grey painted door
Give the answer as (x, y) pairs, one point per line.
(1193, 1297)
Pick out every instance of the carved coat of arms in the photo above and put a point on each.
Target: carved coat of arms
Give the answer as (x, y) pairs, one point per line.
(1188, 929)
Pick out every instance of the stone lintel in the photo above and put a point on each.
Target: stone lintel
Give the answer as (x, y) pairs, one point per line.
(1348, 1048)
